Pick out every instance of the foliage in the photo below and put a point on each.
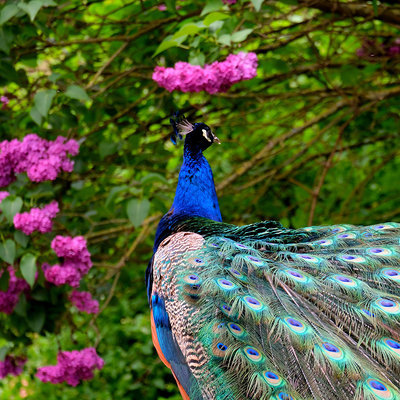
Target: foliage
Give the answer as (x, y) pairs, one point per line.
(312, 140)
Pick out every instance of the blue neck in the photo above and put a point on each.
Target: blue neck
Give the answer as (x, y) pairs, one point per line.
(195, 194)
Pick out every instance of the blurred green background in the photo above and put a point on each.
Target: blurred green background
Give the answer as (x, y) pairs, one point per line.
(313, 139)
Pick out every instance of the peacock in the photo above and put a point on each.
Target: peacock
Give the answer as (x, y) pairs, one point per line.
(267, 312)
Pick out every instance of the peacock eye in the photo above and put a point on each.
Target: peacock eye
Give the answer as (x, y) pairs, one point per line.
(205, 134)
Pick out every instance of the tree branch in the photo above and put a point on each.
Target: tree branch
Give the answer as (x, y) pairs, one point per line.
(390, 15)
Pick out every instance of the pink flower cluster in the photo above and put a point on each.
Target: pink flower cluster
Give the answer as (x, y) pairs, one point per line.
(229, 1)
(72, 367)
(9, 298)
(213, 78)
(76, 261)
(11, 366)
(84, 302)
(41, 159)
(37, 219)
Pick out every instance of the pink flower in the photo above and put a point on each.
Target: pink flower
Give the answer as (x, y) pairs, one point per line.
(3, 195)
(229, 1)
(11, 366)
(72, 367)
(10, 298)
(162, 7)
(37, 219)
(212, 78)
(61, 275)
(84, 302)
(5, 100)
(41, 159)
(76, 262)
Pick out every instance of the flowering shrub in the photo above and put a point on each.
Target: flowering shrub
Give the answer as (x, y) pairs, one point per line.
(72, 367)
(84, 302)
(37, 219)
(24, 294)
(41, 159)
(214, 78)
(76, 261)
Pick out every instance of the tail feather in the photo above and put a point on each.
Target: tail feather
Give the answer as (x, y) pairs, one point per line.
(315, 318)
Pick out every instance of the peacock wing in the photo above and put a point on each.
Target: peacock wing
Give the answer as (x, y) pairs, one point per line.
(316, 318)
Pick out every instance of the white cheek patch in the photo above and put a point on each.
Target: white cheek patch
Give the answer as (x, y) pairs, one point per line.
(205, 135)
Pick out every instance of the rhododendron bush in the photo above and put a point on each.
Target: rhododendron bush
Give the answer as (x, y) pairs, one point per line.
(304, 96)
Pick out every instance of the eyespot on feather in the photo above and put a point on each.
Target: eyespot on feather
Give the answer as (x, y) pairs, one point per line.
(388, 306)
(345, 281)
(380, 251)
(272, 379)
(351, 258)
(236, 330)
(332, 351)
(392, 345)
(391, 273)
(253, 354)
(253, 303)
(226, 284)
(197, 261)
(219, 348)
(295, 325)
(379, 389)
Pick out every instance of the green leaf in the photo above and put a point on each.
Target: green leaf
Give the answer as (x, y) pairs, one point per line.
(43, 101)
(225, 39)
(36, 116)
(107, 148)
(214, 16)
(188, 29)
(31, 8)
(3, 352)
(77, 92)
(10, 206)
(4, 41)
(28, 268)
(7, 12)
(7, 251)
(137, 211)
(20, 308)
(212, 5)
(241, 35)
(164, 45)
(36, 319)
(4, 279)
(114, 192)
(171, 5)
(21, 238)
(48, 3)
(257, 4)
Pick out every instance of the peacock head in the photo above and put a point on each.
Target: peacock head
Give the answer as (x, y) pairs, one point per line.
(197, 135)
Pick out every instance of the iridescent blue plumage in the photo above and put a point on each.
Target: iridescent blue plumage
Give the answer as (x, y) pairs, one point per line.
(266, 312)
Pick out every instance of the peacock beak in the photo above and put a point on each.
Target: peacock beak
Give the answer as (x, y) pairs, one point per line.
(216, 140)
